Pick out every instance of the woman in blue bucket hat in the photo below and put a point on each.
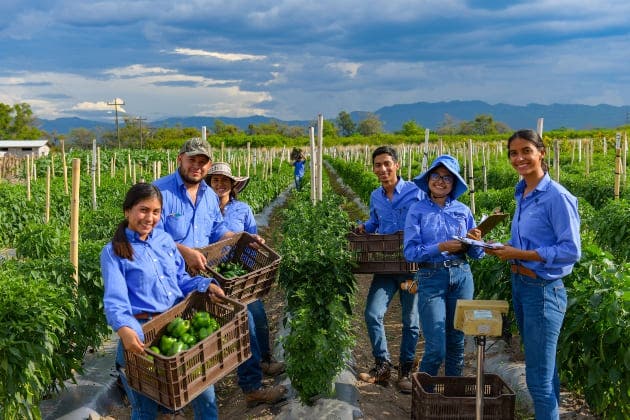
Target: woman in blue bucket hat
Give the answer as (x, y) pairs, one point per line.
(443, 274)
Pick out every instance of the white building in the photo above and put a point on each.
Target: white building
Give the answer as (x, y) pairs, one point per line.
(21, 148)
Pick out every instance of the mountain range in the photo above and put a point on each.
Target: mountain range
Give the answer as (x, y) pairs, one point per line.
(427, 114)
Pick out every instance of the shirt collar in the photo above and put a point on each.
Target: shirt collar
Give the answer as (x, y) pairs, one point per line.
(134, 236)
(180, 181)
(397, 188)
(543, 185)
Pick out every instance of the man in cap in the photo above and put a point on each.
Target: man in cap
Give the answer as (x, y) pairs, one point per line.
(191, 215)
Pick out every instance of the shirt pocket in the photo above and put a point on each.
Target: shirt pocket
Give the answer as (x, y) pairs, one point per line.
(176, 226)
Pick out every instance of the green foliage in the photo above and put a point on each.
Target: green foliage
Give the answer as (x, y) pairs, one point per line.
(354, 174)
(35, 317)
(42, 241)
(16, 213)
(370, 125)
(316, 275)
(612, 228)
(411, 129)
(594, 344)
(17, 122)
(345, 123)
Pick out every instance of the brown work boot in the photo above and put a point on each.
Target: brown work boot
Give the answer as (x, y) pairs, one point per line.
(271, 367)
(379, 374)
(404, 377)
(269, 395)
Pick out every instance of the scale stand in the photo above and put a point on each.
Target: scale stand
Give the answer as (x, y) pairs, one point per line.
(481, 319)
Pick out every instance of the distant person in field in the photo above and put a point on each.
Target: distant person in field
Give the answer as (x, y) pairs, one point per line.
(192, 216)
(144, 275)
(239, 217)
(298, 167)
(389, 204)
(443, 275)
(544, 246)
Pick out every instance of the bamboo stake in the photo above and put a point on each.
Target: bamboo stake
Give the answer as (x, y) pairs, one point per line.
(74, 218)
(471, 178)
(98, 166)
(617, 165)
(425, 156)
(52, 165)
(28, 178)
(93, 175)
(556, 157)
(625, 155)
(65, 167)
(539, 126)
(587, 161)
(249, 156)
(311, 131)
(320, 137)
(47, 215)
(484, 168)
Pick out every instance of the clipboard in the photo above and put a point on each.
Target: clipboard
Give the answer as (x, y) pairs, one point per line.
(490, 222)
(473, 242)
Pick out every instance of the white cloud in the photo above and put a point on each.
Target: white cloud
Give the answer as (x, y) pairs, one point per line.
(137, 70)
(100, 106)
(348, 68)
(220, 56)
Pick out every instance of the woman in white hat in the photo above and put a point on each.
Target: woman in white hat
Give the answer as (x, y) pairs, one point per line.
(443, 274)
(239, 217)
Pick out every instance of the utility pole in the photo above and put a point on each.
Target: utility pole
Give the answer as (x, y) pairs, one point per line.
(117, 102)
(140, 119)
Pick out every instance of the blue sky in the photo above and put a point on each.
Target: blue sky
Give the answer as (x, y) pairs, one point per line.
(293, 59)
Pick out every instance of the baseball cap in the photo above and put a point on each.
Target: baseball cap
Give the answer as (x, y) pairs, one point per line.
(196, 146)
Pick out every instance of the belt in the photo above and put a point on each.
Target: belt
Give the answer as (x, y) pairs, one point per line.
(145, 315)
(443, 264)
(519, 269)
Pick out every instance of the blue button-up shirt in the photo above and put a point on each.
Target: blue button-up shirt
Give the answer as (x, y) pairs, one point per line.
(194, 225)
(388, 216)
(298, 168)
(239, 217)
(547, 221)
(428, 224)
(153, 282)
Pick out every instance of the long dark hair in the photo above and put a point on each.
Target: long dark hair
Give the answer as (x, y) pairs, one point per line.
(534, 138)
(138, 192)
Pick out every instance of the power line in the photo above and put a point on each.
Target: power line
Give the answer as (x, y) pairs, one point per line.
(117, 102)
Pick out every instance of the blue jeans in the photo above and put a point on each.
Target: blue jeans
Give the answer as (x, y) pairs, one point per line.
(250, 373)
(144, 408)
(298, 182)
(539, 308)
(438, 292)
(382, 291)
(257, 310)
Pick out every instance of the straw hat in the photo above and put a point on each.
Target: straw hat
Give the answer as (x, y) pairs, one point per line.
(222, 168)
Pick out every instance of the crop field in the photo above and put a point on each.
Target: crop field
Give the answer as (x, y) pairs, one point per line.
(51, 303)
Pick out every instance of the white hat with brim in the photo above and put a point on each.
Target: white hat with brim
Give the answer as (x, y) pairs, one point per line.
(221, 168)
(451, 164)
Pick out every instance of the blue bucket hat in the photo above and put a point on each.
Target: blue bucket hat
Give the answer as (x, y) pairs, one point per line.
(450, 163)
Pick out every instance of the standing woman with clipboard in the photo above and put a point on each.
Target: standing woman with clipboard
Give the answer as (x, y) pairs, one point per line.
(443, 274)
(544, 246)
